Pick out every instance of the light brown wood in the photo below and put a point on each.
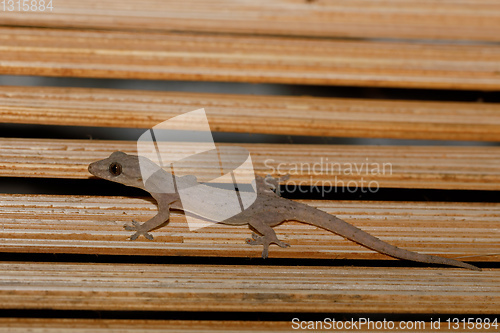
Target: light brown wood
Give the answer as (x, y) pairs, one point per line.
(429, 19)
(315, 165)
(63, 325)
(142, 287)
(205, 57)
(243, 113)
(94, 225)
(150, 49)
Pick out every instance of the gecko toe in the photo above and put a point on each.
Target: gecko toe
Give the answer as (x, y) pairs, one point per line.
(134, 227)
(128, 227)
(282, 244)
(285, 177)
(255, 240)
(148, 236)
(251, 241)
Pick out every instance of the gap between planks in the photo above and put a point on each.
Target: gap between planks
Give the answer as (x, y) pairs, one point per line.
(433, 167)
(143, 287)
(431, 19)
(205, 57)
(94, 225)
(334, 117)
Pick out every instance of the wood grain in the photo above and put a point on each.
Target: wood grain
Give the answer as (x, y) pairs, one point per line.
(94, 225)
(256, 42)
(139, 287)
(244, 113)
(386, 166)
(206, 57)
(429, 19)
(63, 325)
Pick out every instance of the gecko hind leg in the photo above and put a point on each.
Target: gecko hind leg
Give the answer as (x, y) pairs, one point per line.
(136, 226)
(268, 237)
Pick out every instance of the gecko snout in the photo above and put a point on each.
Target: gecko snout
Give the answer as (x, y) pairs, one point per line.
(91, 168)
(94, 168)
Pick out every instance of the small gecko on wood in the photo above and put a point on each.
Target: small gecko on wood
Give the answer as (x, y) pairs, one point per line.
(267, 211)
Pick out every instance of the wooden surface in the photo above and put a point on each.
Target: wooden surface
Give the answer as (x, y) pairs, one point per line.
(389, 44)
(142, 287)
(335, 117)
(428, 19)
(94, 225)
(206, 57)
(63, 325)
(405, 166)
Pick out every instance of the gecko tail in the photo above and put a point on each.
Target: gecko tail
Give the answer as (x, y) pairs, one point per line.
(342, 228)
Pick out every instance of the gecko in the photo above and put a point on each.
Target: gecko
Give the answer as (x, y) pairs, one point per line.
(268, 210)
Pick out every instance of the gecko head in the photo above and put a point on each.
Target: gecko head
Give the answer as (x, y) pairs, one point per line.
(120, 168)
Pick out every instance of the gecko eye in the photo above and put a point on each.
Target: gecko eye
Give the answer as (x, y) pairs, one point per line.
(115, 169)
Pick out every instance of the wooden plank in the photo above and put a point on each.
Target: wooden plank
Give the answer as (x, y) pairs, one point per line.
(366, 167)
(170, 56)
(244, 113)
(140, 287)
(429, 19)
(62, 325)
(94, 225)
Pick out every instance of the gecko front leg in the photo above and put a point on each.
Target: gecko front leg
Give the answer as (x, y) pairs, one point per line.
(268, 237)
(144, 228)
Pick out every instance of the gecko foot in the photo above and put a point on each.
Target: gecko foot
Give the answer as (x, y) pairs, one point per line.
(265, 241)
(270, 183)
(255, 240)
(137, 227)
